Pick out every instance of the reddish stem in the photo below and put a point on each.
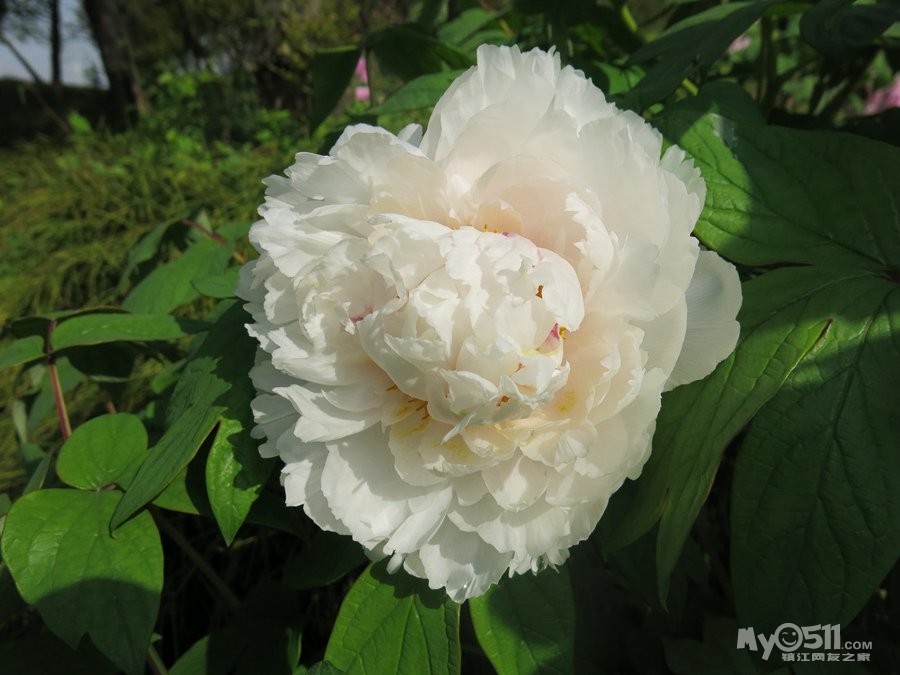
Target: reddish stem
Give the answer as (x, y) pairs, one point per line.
(61, 412)
(215, 237)
(205, 230)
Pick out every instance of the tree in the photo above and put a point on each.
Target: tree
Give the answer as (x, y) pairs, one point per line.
(106, 21)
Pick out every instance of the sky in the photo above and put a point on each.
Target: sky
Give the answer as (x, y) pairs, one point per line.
(79, 55)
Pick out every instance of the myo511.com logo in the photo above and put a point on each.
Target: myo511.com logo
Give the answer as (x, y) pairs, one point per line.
(789, 637)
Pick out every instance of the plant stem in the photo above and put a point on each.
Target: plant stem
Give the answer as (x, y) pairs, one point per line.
(214, 236)
(630, 23)
(856, 70)
(768, 67)
(204, 230)
(64, 426)
(155, 663)
(226, 594)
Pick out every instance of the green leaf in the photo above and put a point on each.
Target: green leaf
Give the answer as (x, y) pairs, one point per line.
(235, 472)
(22, 351)
(780, 195)
(64, 561)
(327, 558)
(715, 654)
(38, 463)
(146, 247)
(408, 51)
(323, 668)
(186, 493)
(220, 285)
(780, 324)
(816, 496)
(94, 329)
(688, 48)
(526, 623)
(465, 25)
(194, 661)
(165, 462)
(170, 285)
(721, 97)
(44, 654)
(840, 28)
(213, 384)
(395, 624)
(332, 70)
(614, 79)
(422, 92)
(103, 451)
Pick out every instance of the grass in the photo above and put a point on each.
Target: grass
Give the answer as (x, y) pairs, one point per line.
(71, 212)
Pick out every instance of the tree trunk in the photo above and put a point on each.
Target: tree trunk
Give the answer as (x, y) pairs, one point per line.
(56, 52)
(109, 34)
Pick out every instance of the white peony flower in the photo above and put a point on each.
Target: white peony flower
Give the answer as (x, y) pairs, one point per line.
(464, 335)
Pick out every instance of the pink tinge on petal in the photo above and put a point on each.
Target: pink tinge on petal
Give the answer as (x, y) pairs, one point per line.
(884, 98)
(362, 94)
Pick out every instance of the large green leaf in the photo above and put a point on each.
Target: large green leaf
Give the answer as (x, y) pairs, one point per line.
(332, 70)
(214, 386)
(690, 47)
(395, 624)
(94, 329)
(816, 495)
(64, 561)
(840, 28)
(45, 654)
(422, 92)
(22, 351)
(171, 285)
(779, 195)
(408, 51)
(235, 473)
(715, 654)
(221, 285)
(103, 451)
(468, 23)
(697, 421)
(526, 624)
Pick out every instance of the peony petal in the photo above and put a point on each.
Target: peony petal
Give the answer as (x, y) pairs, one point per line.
(461, 562)
(713, 299)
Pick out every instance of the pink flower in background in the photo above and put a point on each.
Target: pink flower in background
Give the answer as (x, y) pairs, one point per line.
(362, 71)
(362, 93)
(739, 44)
(884, 98)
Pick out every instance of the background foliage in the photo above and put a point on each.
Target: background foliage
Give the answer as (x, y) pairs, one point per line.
(141, 532)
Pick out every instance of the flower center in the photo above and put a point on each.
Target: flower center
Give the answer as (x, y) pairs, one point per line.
(477, 326)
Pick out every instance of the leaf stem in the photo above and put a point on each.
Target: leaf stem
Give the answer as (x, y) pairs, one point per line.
(218, 238)
(768, 66)
(218, 584)
(64, 426)
(155, 663)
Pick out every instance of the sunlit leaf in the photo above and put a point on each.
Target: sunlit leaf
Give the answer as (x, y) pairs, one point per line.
(64, 561)
(103, 451)
(395, 623)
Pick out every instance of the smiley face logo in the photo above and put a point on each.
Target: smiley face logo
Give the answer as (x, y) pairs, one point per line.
(788, 637)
